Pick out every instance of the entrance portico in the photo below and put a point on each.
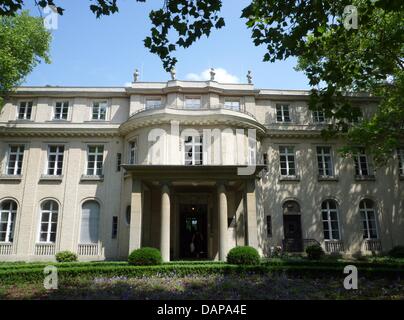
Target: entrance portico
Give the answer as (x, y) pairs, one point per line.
(160, 194)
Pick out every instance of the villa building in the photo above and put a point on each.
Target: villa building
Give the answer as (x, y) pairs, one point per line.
(103, 171)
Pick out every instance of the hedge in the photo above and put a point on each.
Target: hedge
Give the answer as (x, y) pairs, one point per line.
(180, 270)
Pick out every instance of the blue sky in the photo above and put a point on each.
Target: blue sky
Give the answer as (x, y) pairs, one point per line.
(104, 52)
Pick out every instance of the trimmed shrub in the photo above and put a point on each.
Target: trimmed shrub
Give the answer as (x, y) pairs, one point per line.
(397, 252)
(145, 257)
(66, 256)
(314, 252)
(243, 256)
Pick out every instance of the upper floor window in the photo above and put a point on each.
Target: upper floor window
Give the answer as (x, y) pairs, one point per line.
(49, 221)
(318, 116)
(55, 160)
(133, 152)
(192, 103)
(61, 110)
(282, 113)
(368, 217)
(95, 160)
(99, 110)
(324, 160)
(15, 160)
(329, 212)
(232, 104)
(25, 110)
(8, 212)
(400, 154)
(287, 161)
(357, 115)
(362, 166)
(153, 103)
(193, 150)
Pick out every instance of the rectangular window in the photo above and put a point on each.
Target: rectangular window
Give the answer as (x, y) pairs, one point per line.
(55, 160)
(232, 105)
(153, 103)
(133, 152)
(318, 116)
(287, 161)
(269, 226)
(99, 110)
(324, 160)
(15, 160)
(282, 113)
(114, 227)
(25, 110)
(361, 164)
(95, 160)
(61, 110)
(400, 154)
(329, 214)
(193, 150)
(192, 103)
(357, 115)
(118, 162)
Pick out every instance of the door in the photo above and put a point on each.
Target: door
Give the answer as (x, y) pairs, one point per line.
(193, 229)
(292, 228)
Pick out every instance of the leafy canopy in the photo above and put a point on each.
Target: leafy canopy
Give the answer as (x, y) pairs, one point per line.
(24, 42)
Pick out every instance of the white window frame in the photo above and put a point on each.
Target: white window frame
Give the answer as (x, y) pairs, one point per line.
(283, 109)
(11, 220)
(317, 115)
(193, 144)
(27, 104)
(99, 113)
(65, 106)
(364, 213)
(329, 221)
(49, 222)
(58, 153)
(230, 104)
(93, 171)
(19, 160)
(287, 154)
(400, 156)
(358, 162)
(133, 151)
(153, 103)
(193, 106)
(321, 161)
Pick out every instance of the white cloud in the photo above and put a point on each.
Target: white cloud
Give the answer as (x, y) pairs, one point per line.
(221, 76)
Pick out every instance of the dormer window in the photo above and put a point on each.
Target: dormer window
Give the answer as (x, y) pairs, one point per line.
(232, 104)
(99, 110)
(282, 113)
(61, 110)
(25, 110)
(153, 103)
(192, 103)
(318, 116)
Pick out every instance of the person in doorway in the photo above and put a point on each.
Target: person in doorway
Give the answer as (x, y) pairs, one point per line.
(197, 240)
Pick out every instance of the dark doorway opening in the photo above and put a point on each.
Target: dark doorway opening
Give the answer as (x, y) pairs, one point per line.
(193, 229)
(292, 227)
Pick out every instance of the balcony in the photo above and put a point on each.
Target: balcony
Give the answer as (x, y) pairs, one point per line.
(91, 249)
(45, 249)
(6, 249)
(372, 245)
(334, 246)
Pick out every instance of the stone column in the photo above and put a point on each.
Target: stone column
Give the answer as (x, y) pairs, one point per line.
(165, 223)
(135, 231)
(222, 201)
(251, 206)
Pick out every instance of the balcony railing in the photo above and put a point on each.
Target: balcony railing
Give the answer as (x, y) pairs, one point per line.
(334, 246)
(44, 249)
(6, 249)
(91, 249)
(373, 245)
(215, 107)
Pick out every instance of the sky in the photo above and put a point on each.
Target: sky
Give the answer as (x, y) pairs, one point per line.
(86, 51)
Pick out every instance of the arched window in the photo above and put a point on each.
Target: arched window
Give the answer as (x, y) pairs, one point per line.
(49, 221)
(368, 216)
(329, 212)
(90, 216)
(8, 211)
(291, 207)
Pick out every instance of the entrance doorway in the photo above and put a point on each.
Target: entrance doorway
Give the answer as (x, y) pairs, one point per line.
(193, 229)
(293, 233)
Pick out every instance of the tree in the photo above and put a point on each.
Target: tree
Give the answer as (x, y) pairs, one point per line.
(24, 42)
(339, 58)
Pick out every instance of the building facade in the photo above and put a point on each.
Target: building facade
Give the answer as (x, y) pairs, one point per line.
(103, 171)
